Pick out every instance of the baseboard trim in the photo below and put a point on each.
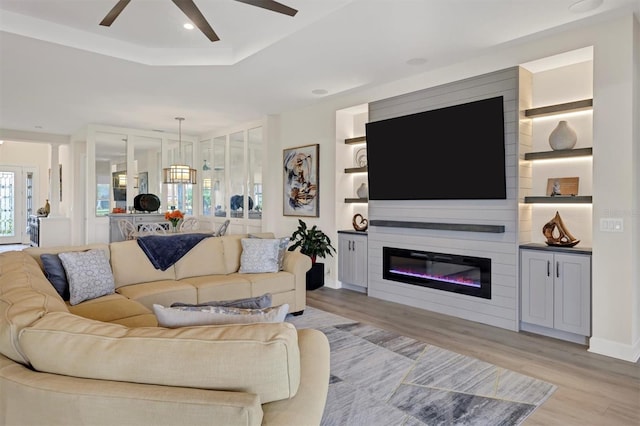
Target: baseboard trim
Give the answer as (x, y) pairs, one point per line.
(613, 349)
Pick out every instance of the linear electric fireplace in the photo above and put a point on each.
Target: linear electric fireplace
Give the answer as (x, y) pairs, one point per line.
(457, 273)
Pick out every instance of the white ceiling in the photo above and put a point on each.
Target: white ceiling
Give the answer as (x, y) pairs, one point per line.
(60, 70)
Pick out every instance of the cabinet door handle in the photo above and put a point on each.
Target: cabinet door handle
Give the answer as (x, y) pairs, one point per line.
(548, 268)
(557, 269)
(349, 245)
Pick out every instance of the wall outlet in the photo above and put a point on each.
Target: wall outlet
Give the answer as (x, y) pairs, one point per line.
(612, 224)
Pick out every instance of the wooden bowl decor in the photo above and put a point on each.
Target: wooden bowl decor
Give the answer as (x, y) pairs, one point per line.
(557, 233)
(359, 222)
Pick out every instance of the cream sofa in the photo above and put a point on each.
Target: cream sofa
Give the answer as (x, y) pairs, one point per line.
(104, 361)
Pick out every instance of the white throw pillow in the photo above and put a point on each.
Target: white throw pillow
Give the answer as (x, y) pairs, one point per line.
(259, 255)
(89, 275)
(185, 316)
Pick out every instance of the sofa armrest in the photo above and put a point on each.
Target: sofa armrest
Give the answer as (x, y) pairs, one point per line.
(298, 264)
(31, 397)
(307, 407)
(263, 359)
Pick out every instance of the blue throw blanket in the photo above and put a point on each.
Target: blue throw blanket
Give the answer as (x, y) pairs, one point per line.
(165, 250)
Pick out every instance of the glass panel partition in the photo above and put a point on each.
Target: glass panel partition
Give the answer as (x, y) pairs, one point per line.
(219, 183)
(254, 165)
(206, 152)
(237, 176)
(147, 173)
(111, 172)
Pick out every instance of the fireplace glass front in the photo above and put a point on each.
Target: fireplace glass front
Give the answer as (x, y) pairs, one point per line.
(456, 273)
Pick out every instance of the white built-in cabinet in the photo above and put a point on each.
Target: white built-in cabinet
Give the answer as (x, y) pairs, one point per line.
(556, 293)
(352, 260)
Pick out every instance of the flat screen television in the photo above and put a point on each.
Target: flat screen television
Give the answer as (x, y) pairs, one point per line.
(452, 153)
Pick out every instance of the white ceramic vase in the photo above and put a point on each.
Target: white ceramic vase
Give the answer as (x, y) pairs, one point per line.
(563, 137)
(363, 191)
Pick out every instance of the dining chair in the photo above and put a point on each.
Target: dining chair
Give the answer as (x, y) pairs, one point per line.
(151, 228)
(189, 224)
(222, 229)
(127, 230)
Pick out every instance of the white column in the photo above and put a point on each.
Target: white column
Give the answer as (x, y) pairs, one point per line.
(54, 190)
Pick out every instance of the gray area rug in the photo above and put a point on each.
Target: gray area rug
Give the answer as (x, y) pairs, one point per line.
(382, 378)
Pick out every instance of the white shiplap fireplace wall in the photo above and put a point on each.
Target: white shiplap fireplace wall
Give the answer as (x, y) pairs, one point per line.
(502, 248)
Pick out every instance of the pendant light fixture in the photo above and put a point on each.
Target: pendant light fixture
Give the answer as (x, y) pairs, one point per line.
(179, 173)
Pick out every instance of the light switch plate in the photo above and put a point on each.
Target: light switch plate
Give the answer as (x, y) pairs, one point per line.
(612, 224)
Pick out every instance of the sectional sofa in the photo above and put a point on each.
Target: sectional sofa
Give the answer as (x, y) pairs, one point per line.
(105, 360)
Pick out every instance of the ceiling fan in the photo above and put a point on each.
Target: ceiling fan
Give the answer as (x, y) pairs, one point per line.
(189, 8)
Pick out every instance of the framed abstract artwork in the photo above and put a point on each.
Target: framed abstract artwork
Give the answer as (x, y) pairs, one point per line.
(301, 179)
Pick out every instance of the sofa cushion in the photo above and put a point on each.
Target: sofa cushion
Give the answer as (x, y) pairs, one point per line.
(131, 266)
(184, 316)
(116, 309)
(220, 287)
(162, 292)
(257, 358)
(54, 271)
(259, 255)
(270, 282)
(207, 258)
(258, 302)
(89, 274)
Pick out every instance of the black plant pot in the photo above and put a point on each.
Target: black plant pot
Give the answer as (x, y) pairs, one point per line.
(315, 276)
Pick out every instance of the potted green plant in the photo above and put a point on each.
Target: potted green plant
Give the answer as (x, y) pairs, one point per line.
(314, 243)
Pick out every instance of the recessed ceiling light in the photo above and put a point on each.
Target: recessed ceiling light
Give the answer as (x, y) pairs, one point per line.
(416, 61)
(584, 5)
(319, 91)
(189, 26)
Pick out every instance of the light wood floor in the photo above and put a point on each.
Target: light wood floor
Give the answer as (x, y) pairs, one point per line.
(592, 389)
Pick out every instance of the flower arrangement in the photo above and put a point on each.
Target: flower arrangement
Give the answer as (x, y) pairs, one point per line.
(174, 217)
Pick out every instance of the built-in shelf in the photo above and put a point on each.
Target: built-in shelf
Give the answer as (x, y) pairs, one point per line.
(356, 200)
(357, 140)
(466, 227)
(581, 105)
(559, 199)
(356, 169)
(564, 153)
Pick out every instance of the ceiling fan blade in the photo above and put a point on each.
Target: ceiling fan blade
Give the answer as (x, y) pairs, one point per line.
(113, 13)
(271, 5)
(189, 8)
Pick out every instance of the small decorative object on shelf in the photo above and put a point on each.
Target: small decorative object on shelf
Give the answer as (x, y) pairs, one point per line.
(363, 191)
(563, 137)
(44, 211)
(174, 216)
(557, 233)
(360, 158)
(567, 186)
(359, 222)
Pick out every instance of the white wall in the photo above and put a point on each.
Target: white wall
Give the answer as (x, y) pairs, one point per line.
(615, 287)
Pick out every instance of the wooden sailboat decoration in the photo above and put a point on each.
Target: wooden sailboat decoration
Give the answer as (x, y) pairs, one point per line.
(557, 233)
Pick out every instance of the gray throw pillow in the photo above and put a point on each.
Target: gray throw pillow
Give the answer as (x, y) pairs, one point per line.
(259, 302)
(89, 274)
(259, 256)
(282, 248)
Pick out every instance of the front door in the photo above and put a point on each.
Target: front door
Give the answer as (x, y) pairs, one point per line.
(16, 203)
